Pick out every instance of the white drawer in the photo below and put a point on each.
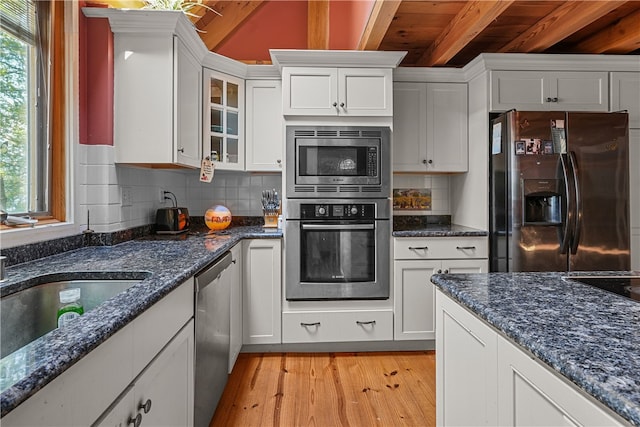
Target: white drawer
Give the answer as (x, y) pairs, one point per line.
(337, 326)
(440, 247)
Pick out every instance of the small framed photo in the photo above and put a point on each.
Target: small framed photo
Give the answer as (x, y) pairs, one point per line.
(548, 147)
(520, 147)
(532, 146)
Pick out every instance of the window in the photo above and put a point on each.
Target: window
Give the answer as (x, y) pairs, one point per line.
(31, 83)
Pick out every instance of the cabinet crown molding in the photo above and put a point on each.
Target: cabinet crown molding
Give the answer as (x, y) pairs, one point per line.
(335, 58)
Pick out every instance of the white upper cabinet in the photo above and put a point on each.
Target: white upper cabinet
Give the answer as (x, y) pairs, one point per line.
(549, 90)
(265, 126)
(430, 127)
(223, 140)
(157, 100)
(625, 95)
(318, 91)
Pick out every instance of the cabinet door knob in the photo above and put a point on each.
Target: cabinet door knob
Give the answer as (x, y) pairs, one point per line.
(146, 406)
(439, 271)
(181, 150)
(554, 100)
(430, 161)
(135, 421)
(335, 104)
(548, 100)
(424, 161)
(342, 104)
(446, 271)
(278, 161)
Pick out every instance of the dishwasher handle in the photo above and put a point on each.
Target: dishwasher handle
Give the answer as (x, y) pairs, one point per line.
(211, 273)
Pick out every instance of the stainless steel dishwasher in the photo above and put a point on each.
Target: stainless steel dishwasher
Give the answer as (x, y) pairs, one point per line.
(212, 316)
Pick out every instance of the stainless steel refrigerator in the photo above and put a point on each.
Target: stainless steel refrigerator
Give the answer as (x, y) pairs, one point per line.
(559, 191)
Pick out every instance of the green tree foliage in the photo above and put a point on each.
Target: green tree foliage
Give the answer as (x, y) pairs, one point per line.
(14, 104)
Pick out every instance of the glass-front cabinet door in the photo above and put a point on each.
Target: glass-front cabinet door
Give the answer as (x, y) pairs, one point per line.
(223, 140)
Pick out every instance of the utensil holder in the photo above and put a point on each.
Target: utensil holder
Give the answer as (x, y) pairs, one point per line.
(271, 219)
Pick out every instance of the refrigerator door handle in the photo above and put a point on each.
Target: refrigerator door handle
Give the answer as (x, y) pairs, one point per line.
(578, 203)
(568, 215)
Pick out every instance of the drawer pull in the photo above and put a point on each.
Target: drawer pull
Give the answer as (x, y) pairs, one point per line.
(466, 248)
(418, 248)
(135, 421)
(304, 325)
(146, 406)
(370, 322)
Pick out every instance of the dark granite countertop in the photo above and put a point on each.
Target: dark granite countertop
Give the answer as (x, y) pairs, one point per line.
(590, 336)
(170, 260)
(435, 230)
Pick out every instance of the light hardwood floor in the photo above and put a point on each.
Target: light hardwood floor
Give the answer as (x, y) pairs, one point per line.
(330, 389)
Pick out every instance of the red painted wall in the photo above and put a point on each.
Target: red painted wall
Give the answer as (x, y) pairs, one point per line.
(347, 20)
(95, 80)
(276, 25)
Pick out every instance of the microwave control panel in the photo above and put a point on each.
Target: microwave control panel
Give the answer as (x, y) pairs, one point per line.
(372, 162)
(338, 211)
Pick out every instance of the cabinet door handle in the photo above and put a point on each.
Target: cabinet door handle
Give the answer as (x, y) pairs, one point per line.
(430, 161)
(466, 248)
(278, 161)
(146, 406)
(342, 105)
(418, 248)
(424, 161)
(446, 271)
(335, 104)
(370, 322)
(304, 325)
(439, 271)
(554, 99)
(181, 150)
(135, 421)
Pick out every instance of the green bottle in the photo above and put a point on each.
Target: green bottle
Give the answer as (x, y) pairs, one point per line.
(70, 306)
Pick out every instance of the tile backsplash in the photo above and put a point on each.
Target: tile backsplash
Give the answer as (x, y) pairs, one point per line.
(439, 186)
(101, 184)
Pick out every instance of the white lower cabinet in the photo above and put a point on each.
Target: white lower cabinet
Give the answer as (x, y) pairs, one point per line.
(163, 394)
(337, 326)
(415, 261)
(482, 378)
(235, 323)
(262, 291)
(150, 358)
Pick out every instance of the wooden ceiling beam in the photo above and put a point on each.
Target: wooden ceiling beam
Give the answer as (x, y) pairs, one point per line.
(218, 28)
(622, 37)
(570, 17)
(380, 19)
(318, 24)
(474, 17)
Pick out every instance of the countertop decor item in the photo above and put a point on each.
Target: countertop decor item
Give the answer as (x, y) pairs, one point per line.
(217, 217)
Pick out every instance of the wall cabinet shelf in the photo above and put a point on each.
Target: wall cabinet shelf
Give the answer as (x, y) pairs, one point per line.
(430, 127)
(317, 91)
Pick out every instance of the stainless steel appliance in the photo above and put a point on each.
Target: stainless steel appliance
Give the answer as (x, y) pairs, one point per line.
(332, 161)
(559, 191)
(212, 334)
(337, 249)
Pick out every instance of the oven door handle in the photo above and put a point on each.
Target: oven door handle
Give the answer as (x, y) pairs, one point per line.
(338, 227)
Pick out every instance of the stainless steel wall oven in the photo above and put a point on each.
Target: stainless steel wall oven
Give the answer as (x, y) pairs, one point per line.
(337, 249)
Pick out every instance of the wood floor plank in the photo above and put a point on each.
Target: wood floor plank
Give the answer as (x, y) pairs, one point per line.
(330, 389)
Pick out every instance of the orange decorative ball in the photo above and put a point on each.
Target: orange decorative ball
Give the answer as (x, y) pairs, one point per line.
(217, 217)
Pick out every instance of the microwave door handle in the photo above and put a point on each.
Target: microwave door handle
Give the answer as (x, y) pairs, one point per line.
(568, 215)
(578, 205)
(338, 227)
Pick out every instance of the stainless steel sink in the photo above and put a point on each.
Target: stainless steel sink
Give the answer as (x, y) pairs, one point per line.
(31, 313)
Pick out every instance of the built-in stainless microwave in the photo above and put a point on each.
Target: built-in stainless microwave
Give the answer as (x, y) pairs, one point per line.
(342, 162)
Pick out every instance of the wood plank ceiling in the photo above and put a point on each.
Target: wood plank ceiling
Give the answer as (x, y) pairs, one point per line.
(452, 33)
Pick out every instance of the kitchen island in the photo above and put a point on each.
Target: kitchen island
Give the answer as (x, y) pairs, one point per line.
(589, 338)
(169, 260)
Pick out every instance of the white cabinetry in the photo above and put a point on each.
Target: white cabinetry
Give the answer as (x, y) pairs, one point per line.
(430, 127)
(157, 100)
(235, 324)
(549, 90)
(123, 365)
(265, 126)
(262, 290)
(163, 393)
(482, 378)
(223, 131)
(415, 261)
(317, 91)
(625, 95)
(529, 394)
(466, 372)
(337, 326)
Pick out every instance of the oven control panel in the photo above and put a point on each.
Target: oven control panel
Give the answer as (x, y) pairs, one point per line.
(338, 211)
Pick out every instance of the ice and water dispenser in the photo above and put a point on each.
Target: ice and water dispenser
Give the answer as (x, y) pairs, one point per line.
(541, 202)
